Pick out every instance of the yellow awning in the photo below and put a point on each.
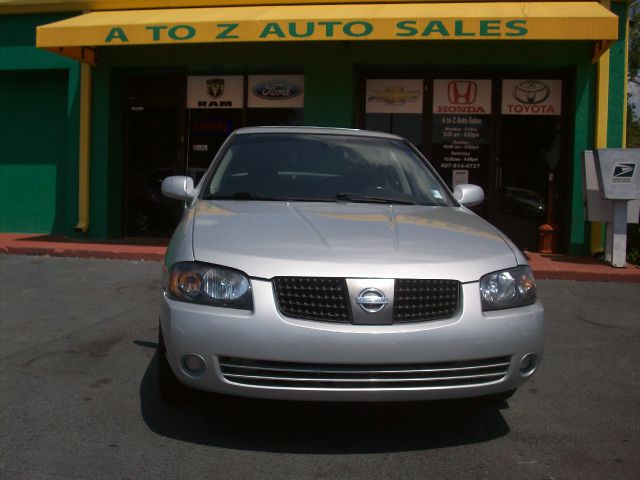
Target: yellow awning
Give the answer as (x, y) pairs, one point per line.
(410, 21)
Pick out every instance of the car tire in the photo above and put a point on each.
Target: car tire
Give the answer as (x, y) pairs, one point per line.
(171, 389)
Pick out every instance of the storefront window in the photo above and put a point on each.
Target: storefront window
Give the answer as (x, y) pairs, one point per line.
(214, 109)
(167, 136)
(505, 135)
(395, 106)
(530, 157)
(462, 132)
(275, 100)
(208, 129)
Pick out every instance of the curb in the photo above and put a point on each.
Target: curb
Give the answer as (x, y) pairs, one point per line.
(157, 255)
(545, 267)
(588, 276)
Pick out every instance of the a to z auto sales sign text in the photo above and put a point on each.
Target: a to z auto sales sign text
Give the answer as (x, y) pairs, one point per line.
(375, 29)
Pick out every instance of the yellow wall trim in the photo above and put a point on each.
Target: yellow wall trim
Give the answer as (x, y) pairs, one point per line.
(602, 126)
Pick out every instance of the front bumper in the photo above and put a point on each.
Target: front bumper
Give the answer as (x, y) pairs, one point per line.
(262, 352)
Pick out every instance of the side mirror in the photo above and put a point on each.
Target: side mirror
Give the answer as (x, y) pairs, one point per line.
(178, 187)
(468, 195)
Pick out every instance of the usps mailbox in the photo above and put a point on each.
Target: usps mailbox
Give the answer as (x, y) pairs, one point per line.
(617, 171)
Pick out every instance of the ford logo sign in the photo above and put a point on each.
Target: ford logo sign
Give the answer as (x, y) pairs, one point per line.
(276, 90)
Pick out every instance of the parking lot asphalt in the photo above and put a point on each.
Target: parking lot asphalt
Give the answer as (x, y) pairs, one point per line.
(78, 396)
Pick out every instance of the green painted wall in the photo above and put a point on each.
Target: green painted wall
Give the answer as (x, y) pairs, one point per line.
(33, 122)
(38, 132)
(584, 136)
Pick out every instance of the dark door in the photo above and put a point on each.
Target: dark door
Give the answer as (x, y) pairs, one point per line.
(153, 152)
(531, 160)
(528, 147)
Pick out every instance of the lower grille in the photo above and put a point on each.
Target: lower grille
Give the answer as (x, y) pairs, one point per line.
(264, 373)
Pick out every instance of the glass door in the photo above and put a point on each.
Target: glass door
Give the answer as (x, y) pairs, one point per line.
(153, 151)
(507, 135)
(462, 133)
(529, 161)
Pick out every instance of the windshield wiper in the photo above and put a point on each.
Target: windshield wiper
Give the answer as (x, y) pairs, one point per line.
(259, 196)
(340, 197)
(241, 196)
(354, 197)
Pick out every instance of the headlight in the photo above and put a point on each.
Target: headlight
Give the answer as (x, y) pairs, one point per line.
(211, 285)
(508, 289)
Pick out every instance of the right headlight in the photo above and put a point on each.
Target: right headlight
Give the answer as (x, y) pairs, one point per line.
(209, 284)
(511, 288)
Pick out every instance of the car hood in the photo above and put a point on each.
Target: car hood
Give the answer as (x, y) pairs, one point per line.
(268, 239)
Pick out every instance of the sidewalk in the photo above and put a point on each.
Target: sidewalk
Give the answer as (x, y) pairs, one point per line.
(545, 267)
(58, 246)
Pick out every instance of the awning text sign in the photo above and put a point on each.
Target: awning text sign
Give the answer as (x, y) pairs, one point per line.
(485, 21)
(440, 29)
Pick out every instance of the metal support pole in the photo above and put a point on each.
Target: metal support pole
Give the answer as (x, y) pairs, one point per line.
(608, 246)
(84, 156)
(619, 241)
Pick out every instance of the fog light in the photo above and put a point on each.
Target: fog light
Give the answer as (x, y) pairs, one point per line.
(528, 364)
(193, 364)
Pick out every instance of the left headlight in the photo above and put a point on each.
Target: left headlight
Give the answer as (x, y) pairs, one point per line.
(210, 285)
(511, 288)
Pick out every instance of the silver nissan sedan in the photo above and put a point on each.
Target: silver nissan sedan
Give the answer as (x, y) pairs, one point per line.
(334, 264)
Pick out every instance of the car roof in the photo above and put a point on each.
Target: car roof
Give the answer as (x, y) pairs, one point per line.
(316, 131)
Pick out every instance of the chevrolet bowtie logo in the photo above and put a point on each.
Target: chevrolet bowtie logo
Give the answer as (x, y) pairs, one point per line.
(394, 96)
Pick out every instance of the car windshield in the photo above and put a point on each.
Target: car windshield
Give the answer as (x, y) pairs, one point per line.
(324, 168)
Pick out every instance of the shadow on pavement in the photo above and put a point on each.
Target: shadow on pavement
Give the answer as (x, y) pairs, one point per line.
(320, 428)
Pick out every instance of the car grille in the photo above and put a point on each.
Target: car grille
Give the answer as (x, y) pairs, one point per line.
(416, 300)
(315, 298)
(327, 299)
(263, 373)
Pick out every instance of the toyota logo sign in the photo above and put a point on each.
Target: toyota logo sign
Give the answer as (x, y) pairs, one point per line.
(531, 92)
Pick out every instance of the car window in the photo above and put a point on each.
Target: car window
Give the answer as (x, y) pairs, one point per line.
(320, 167)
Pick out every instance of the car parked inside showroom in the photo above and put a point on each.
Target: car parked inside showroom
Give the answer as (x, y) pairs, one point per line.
(334, 264)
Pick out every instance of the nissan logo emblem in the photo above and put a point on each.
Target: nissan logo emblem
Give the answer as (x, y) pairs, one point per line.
(371, 300)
